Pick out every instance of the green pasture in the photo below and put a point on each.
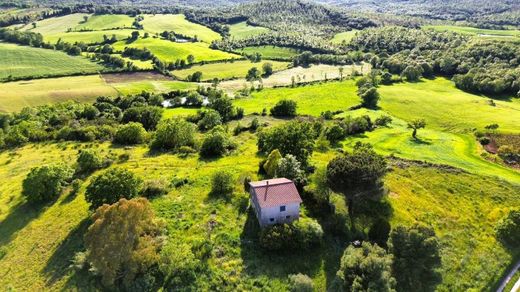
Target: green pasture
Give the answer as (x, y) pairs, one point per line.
(21, 61)
(506, 34)
(105, 22)
(168, 51)
(344, 37)
(227, 70)
(243, 30)
(178, 23)
(56, 25)
(158, 86)
(88, 37)
(271, 52)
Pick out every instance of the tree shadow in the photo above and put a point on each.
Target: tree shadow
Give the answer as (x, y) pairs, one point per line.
(420, 141)
(58, 264)
(18, 218)
(259, 262)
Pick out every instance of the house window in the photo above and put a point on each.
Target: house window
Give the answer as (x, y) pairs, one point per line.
(287, 217)
(282, 208)
(272, 219)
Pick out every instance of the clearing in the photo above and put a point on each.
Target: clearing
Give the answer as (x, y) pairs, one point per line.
(178, 23)
(344, 37)
(227, 70)
(106, 22)
(480, 32)
(243, 30)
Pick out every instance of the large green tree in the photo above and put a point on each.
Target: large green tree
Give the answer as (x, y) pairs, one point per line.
(111, 186)
(172, 134)
(45, 183)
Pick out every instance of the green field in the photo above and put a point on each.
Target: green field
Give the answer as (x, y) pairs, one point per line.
(168, 51)
(484, 33)
(158, 23)
(16, 95)
(242, 30)
(227, 70)
(88, 37)
(105, 22)
(345, 37)
(56, 25)
(271, 52)
(20, 61)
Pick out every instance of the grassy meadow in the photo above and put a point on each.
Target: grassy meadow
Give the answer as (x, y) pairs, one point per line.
(168, 51)
(227, 70)
(21, 61)
(509, 34)
(158, 23)
(344, 37)
(271, 52)
(243, 30)
(106, 22)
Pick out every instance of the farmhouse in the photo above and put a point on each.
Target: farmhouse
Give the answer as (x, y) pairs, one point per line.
(275, 201)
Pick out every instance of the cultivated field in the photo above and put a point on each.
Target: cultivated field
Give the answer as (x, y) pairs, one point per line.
(243, 30)
(227, 70)
(168, 51)
(21, 61)
(271, 52)
(159, 23)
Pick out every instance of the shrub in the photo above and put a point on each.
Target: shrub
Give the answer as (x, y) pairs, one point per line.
(172, 134)
(508, 228)
(509, 154)
(88, 161)
(284, 108)
(335, 133)
(131, 134)
(277, 237)
(210, 119)
(301, 283)
(179, 265)
(148, 116)
(289, 167)
(154, 188)
(271, 164)
(222, 183)
(308, 233)
(216, 143)
(111, 186)
(484, 141)
(370, 97)
(383, 121)
(45, 183)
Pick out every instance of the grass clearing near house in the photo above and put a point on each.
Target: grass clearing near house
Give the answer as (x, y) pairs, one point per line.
(271, 52)
(344, 37)
(506, 34)
(168, 51)
(22, 61)
(243, 30)
(105, 22)
(227, 70)
(178, 23)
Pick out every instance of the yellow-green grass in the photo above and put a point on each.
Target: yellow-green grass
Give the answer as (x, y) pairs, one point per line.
(168, 51)
(344, 37)
(271, 52)
(443, 106)
(178, 23)
(55, 25)
(142, 65)
(243, 30)
(21, 61)
(19, 94)
(227, 70)
(88, 37)
(299, 74)
(105, 21)
(311, 99)
(506, 34)
(179, 112)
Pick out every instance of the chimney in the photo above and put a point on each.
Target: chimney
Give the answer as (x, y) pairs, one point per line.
(266, 187)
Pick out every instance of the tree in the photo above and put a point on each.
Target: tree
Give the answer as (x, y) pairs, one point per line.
(357, 175)
(190, 59)
(416, 125)
(222, 183)
(45, 183)
(301, 283)
(368, 268)
(148, 116)
(412, 73)
(123, 241)
(416, 258)
(111, 186)
(253, 74)
(131, 134)
(508, 228)
(290, 168)
(216, 143)
(195, 77)
(379, 232)
(370, 97)
(135, 35)
(335, 133)
(178, 264)
(172, 134)
(267, 69)
(271, 164)
(224, 106)
(210, 119)
(89, 160)
(284, 108)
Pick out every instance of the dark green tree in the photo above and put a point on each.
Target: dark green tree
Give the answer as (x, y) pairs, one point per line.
(45, 183)
(111, 186)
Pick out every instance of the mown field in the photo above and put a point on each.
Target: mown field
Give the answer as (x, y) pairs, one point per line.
(271, 52)
(21, 61)
(243, 30)
(159, 23)
(105, 22)
(227, 70)
(168, 51)
(16, 95)
(484, 33)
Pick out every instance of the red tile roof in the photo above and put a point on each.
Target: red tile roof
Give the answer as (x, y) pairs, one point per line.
(275, 192)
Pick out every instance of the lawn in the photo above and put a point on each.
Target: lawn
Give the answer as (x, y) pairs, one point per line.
(168, 51)
(227, 70)
(445, 107)
(243, 30)
(158, 23)
(272, 52)
(510, 34)
(106, 22)
(21, 61)
(344, 37)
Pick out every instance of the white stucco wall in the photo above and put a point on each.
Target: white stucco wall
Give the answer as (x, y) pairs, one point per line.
(292, 210)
